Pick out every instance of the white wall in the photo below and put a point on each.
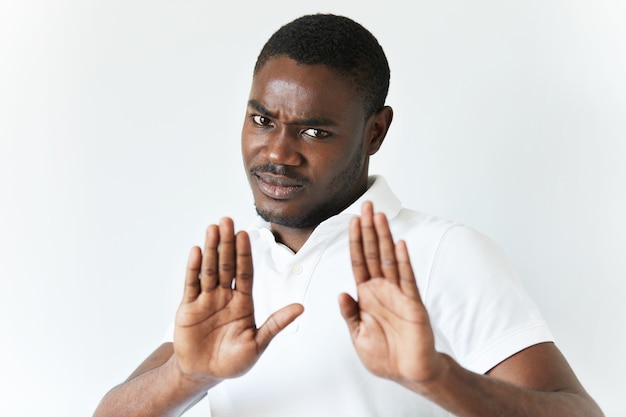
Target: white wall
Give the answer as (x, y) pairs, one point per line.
(119, 142)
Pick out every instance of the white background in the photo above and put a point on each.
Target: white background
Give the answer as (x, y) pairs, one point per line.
(119, 143)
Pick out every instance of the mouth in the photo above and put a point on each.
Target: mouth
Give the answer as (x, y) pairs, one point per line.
(277, 187)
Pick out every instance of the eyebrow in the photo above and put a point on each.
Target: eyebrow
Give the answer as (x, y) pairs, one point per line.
(311, 121)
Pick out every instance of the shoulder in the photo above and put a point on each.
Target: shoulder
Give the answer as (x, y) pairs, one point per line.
(442, 238)
(448, 256)
(448, 238)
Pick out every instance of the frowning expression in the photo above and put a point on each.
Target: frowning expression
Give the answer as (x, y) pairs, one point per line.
(306, 143)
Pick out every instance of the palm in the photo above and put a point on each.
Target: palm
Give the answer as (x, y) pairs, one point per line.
(389, 324)
(216, 335)
(393, 331)
(220, 331)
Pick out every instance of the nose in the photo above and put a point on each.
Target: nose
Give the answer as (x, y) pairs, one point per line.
(283, 148)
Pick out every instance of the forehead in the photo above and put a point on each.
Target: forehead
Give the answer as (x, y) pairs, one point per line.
(284, 84)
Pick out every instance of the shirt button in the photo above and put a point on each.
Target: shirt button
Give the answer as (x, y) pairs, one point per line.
(296, 269)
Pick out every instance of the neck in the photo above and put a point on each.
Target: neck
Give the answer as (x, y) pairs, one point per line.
(293, 238)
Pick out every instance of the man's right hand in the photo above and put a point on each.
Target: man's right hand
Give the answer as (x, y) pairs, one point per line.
(216, 335)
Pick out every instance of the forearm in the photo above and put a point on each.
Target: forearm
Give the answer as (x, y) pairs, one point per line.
(466, 394)
(159, 392)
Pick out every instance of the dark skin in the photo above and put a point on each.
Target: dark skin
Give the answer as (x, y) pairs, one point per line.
(307, 122)
(216, 336)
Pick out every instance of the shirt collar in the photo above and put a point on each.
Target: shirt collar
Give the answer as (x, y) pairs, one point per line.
(381, 195)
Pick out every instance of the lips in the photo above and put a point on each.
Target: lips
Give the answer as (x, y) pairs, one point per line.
(277, 187)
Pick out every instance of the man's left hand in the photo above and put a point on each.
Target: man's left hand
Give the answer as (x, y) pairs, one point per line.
(389, 324)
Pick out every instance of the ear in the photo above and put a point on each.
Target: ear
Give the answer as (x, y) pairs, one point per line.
(377, 127)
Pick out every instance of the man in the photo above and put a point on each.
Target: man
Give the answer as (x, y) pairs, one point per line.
(436, 323)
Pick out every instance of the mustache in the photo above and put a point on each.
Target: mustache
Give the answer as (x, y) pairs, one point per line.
(281, 170)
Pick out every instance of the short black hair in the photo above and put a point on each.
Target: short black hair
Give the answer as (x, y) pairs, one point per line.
(341, 44)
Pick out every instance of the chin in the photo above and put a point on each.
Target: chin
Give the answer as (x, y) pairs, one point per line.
(303, 216)
(295, 221)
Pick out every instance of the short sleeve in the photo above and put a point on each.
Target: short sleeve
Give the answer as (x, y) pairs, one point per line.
(481, 313)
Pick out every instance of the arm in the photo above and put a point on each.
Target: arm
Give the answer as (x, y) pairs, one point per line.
(155, 388)
(215, 335)
(392, 335)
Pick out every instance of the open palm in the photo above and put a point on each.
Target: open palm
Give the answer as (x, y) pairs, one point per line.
(216, 335)
(388, 324)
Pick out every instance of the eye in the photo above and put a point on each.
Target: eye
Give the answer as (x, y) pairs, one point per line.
(261, 120)
(316, 133)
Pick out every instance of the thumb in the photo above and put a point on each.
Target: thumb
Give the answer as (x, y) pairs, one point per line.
(350, 311)
(276, 323)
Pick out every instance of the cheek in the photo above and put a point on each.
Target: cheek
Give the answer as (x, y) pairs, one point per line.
(337, 162)
(358, 151)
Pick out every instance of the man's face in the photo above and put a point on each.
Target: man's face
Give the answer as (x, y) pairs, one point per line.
(305, 143)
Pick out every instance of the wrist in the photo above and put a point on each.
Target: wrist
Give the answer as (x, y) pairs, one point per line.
(432, 384)
(186, 381)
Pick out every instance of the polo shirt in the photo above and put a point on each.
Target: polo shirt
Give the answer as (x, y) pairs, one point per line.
(479, 311)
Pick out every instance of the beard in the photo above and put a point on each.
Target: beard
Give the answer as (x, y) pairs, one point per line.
(342, 191)
(304, 220)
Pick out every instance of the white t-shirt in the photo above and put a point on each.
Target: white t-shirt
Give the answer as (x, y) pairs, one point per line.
(479, 311)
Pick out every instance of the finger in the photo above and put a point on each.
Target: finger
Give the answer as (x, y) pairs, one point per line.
(192, 283)
(359, 268)
(386, 248)
(243, 279)
(226, 253)
(408, 285)
(208, 274)
(350, 312)
(277, 322)
(370, 240)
